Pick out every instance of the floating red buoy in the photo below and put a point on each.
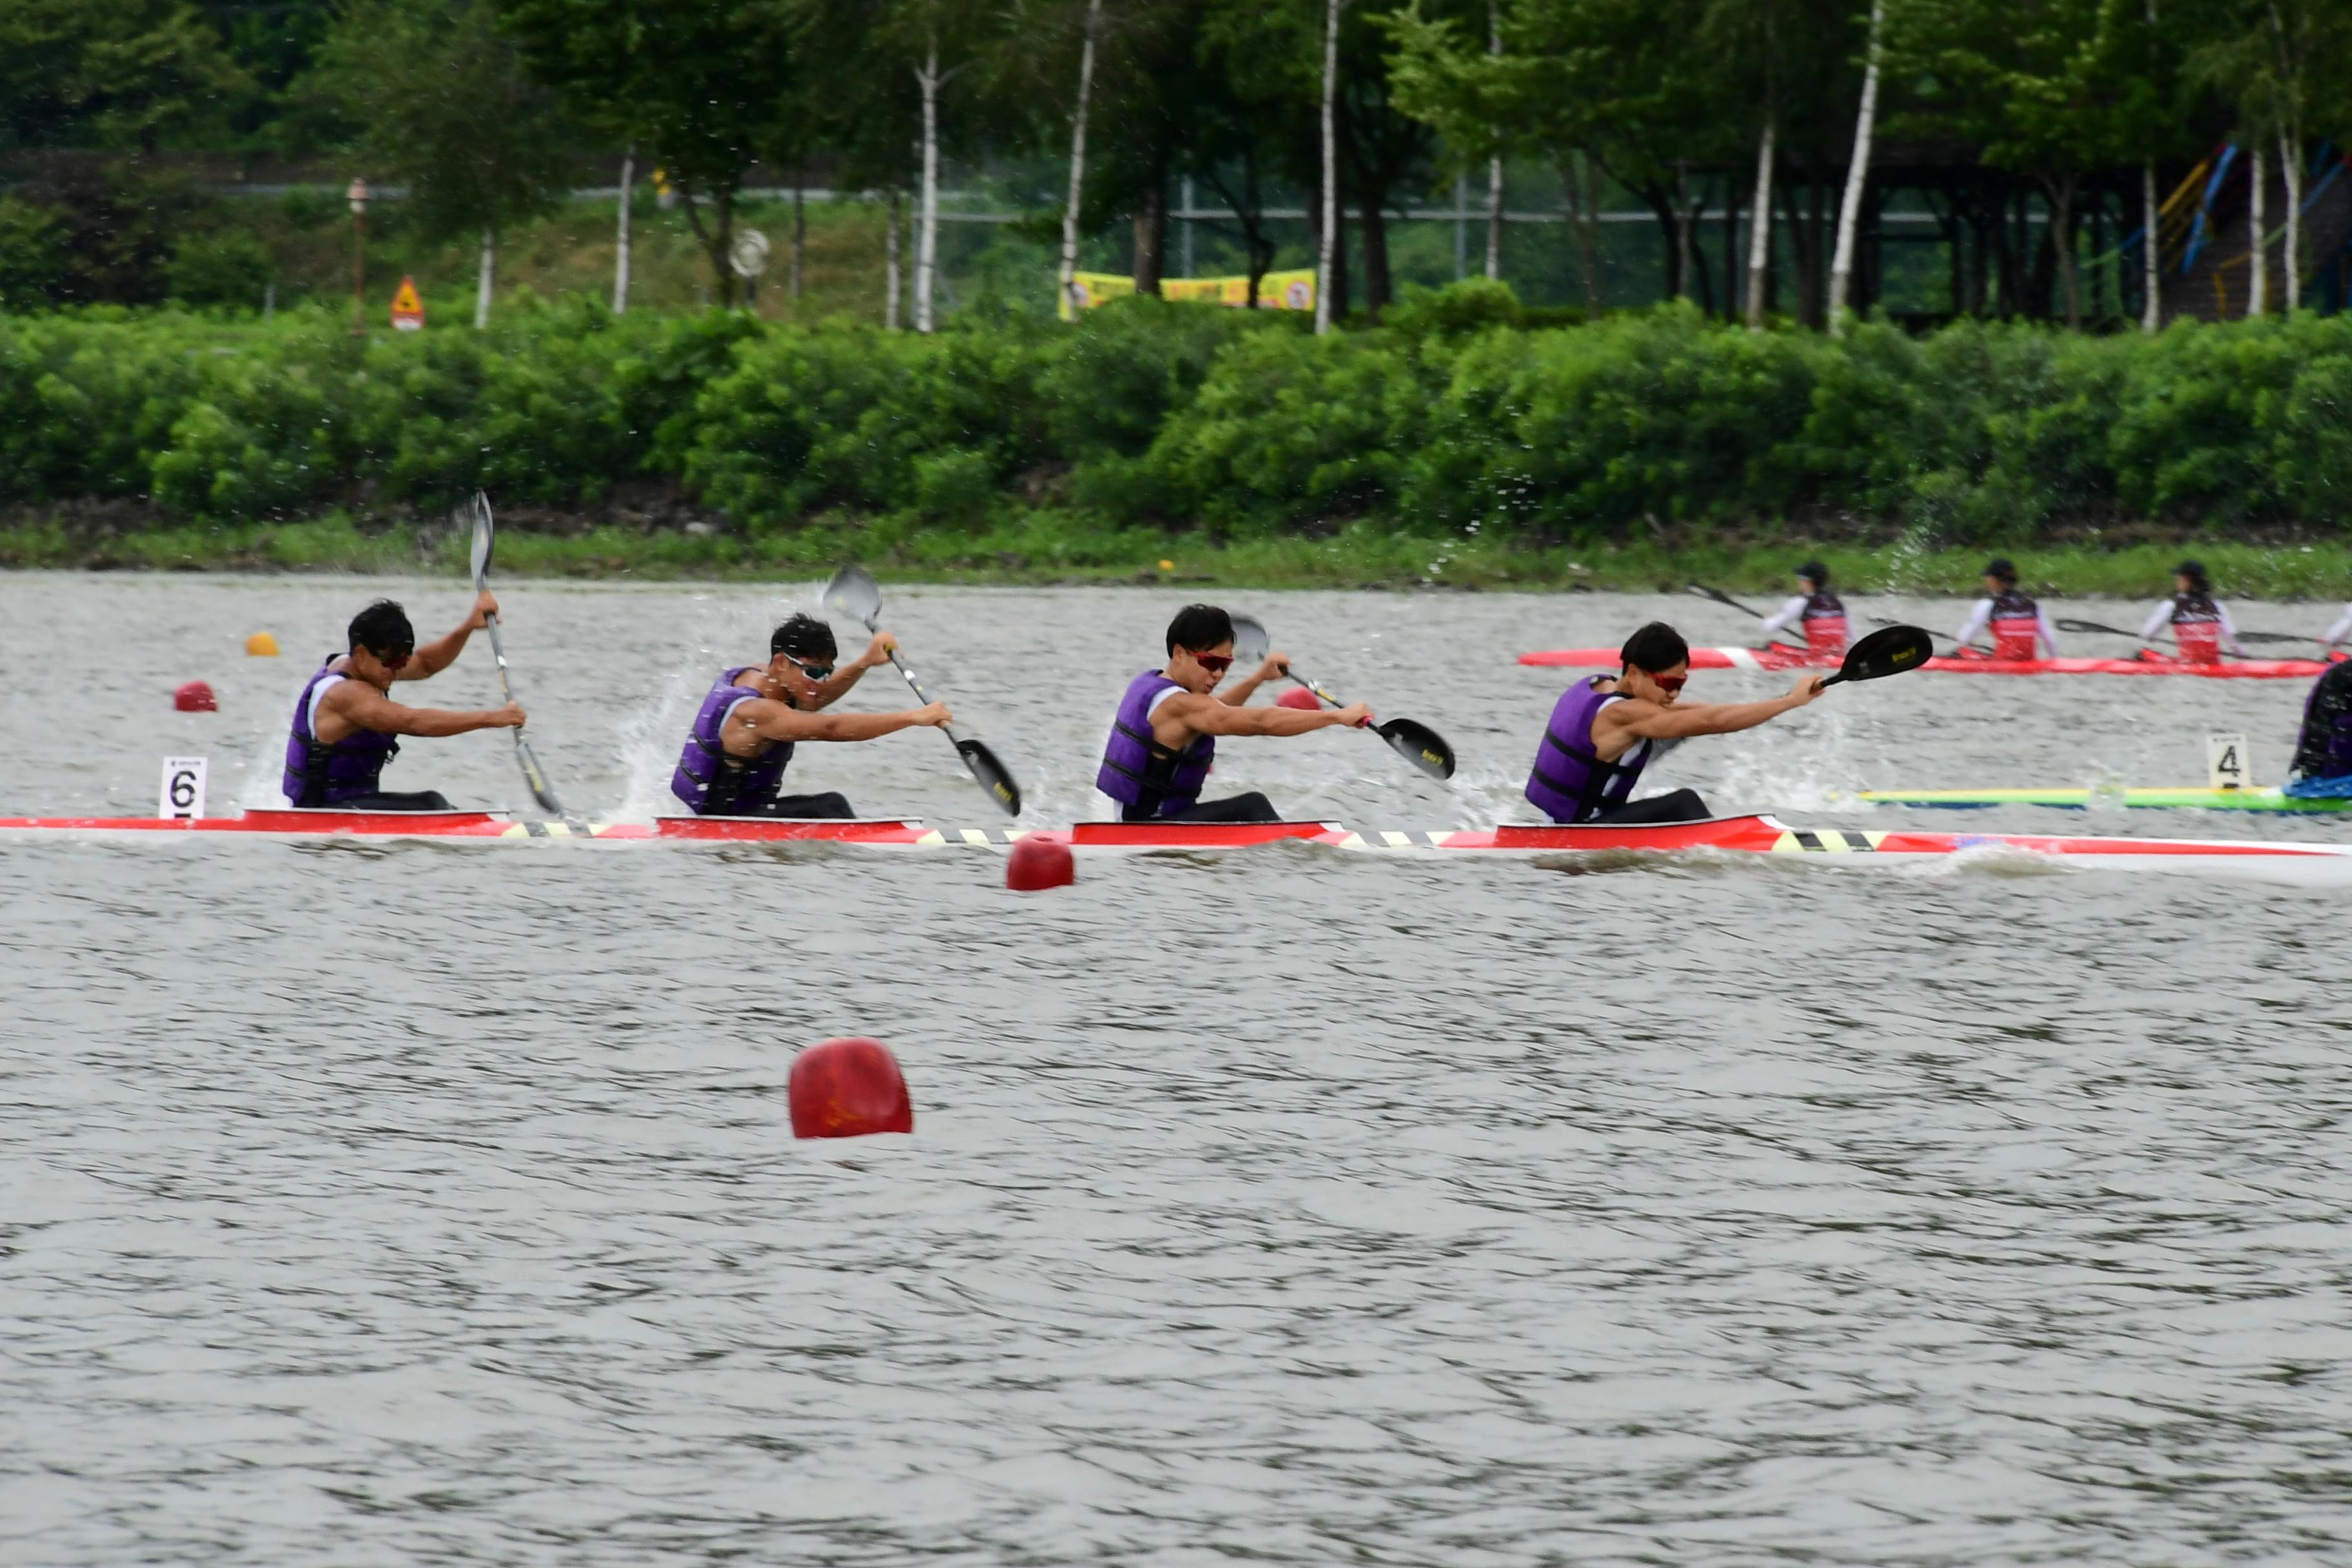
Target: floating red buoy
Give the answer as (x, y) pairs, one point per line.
(846, 1088)
(195, 697)
(1038, 862)
(1298, 697)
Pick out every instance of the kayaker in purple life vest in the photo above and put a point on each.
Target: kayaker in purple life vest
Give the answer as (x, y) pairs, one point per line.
(1165, 733)
(346, 724)
(2322, 769)
(744, 734)
(1604, 730)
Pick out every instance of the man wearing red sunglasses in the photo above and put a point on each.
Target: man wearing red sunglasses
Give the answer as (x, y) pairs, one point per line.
(1164, 735)
(346, 725)
(1604, 730)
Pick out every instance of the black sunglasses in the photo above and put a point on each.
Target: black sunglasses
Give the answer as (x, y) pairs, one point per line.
(813, 671)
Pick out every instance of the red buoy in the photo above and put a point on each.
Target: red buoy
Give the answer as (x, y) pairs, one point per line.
(1298, 697)
(846, 1088)
(195, 697)
(1039, 861)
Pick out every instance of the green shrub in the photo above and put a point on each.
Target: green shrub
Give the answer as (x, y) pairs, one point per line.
(230, 268)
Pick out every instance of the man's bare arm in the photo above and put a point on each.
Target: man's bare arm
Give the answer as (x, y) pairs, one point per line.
(433, 658)
(781, 721)
(1208, 716)
(1651, 721)
(361, 707)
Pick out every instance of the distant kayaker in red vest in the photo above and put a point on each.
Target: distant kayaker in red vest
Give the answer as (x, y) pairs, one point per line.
(1604, 730)
(2200, 622)
(1818, 612)
(2018, 626)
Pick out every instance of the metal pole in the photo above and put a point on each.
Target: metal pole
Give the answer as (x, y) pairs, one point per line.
(357, 195)
(1187, 226)
(1461, 226)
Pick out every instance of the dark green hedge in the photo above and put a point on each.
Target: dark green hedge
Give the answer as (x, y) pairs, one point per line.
(1459, 412)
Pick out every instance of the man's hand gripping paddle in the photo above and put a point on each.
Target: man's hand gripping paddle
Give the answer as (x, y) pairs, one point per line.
(1416, 743)
(532, 773)
(858, 596)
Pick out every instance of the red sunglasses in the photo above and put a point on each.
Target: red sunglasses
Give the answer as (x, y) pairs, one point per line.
(1214, 663)
(393, 662)
(1669, 682)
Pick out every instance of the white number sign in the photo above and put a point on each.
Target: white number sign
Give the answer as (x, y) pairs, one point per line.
(183, 794)
(2227, 762)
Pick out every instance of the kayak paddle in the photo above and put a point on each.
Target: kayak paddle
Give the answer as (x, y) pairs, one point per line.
(1884, 652)
(1417, 743)
(858, 595)
(2119, 632)
(1720, 597)
(532, 773)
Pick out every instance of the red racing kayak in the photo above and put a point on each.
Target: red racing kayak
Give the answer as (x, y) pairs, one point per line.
(1772, 658)
(2308, 864)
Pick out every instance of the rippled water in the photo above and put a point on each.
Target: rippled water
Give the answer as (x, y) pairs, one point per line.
(436, 1203)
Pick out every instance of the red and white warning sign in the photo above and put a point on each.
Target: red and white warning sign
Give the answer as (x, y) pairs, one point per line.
(407, 308)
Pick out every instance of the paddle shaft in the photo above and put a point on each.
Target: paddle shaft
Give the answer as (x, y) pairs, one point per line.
(1720, 597)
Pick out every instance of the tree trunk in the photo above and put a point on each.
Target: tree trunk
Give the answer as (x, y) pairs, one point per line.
(799, 244)
(2257, 273)
(1494, 164)
(1581, 200)
(715, 237)
(890, 266)
(1327, 231)
(1152, 236)
(621, 248)
(1857, 173)
(1804, 246)
(927, 222)
(2290, 167)
(1759, 225)
(2151, 260)
(1078, 156)
(2061, 245)
(1378, 285)
(1686, 219)
(482, 284)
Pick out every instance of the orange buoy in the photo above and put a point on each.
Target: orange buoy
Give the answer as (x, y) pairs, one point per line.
(195, 697)
(846, 1088)
(1299, 697)
(1039, 861)
(261, 644)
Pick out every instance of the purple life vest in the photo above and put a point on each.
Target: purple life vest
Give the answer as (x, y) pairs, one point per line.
(2324, 750)
(1138, 769)
(710, 782)
(1570, 782)
(318, 773)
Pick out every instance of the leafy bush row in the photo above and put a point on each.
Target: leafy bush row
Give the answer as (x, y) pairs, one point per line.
(1454, 415)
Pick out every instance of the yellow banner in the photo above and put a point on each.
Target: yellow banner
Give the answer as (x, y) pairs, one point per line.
(1276, 291)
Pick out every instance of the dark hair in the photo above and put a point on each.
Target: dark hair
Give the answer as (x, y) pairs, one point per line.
(1655, 647)
(804, 637)
(382, 627)
(2195, 572)
(1816, 573)
(1199, 627)
(2001, 569)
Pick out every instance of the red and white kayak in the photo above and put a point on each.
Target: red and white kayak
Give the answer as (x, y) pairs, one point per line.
(1771, 658)
(2312, 864)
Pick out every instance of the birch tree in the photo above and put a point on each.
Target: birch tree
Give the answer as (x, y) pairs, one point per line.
(1069, 267)
(1326, 232)
(621, 238)
(1857, 173)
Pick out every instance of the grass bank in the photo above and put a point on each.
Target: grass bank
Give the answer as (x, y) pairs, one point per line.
(1053, 548)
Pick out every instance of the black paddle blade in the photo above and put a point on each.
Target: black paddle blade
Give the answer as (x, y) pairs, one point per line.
(1884, 652)
(1419, 744)
(991, 775)
(2094, 626)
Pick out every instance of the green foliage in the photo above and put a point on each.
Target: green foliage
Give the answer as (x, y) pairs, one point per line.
(32, 255)
(231, 268)
(1638, 428)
